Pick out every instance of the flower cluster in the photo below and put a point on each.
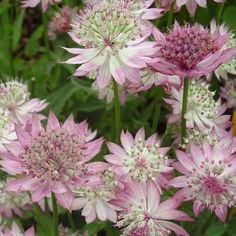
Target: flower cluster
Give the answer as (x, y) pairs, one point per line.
(34, 3)
(202, 110)
(60, 22)
(208, 178)
(130, 181)
(113, 40)
(16, 108)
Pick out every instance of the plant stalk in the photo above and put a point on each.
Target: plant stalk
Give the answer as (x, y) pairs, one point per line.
(184, 109)
(117, 111)
(55, 215)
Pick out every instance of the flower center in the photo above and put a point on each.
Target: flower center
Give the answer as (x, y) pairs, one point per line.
(53, 155)
(144, 161)
(201, 100)
(13, 93)
(106, 25)
(210, 186)
(186, 46)
(213, 185)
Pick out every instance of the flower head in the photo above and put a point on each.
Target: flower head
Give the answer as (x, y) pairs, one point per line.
(14, 97)
(202, 110)
(143, 213)
(34, 3)
(7, 130)
(142, 8)
(60, 22)
(95, 198)
(228, 92)
(209, 178)
(139, 159)
(113, 39)
(151, 77)
(15, 231)
(189, 51)
(12, 203)
(51, 159)
(192, 4)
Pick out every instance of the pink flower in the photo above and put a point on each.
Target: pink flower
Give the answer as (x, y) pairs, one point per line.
(95, 198)
(15, 231)
(228, 92)
(143, 213)
(229, 67)
(183, 51)
(139, 159)
(52, 159)
(202, 110)
(12, 203)
(192, 4)
(151, 77)
(142, 8)
(60, 22)
(15, 97)
(113, 39)
(165, 4)
(34, 3)
(7, 129)
(16, 107)
(209, 178)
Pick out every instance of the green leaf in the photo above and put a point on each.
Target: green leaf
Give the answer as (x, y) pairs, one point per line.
(231, 227)
(83, 84)
(216, 229)
(32, 45)
(17, 30)
(44, 222)
(58, 99)
(229, 17)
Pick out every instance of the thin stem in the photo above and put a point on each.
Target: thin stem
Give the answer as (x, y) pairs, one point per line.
(184, 109)
(219, 12)
(117, 110)
(231, 214)
(45, 34)
(157, 111)
(71, 221)
(234, 123)
(171, 13)
(55, 215)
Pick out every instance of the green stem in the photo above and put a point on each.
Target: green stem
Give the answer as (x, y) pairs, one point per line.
(231, 214)
(55, 215)
(171, 13)
(219, 12)
(45, 34)
(157, 111)
(71, 221)
(184, 109)
(117, 110)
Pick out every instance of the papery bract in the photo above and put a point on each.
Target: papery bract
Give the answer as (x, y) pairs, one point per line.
(139, 159)
(52, 159)
(34, 3)
(208, 178)
(189, 51)
(202, 110)
(192, 4)
(143, 213)
(114, 46)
